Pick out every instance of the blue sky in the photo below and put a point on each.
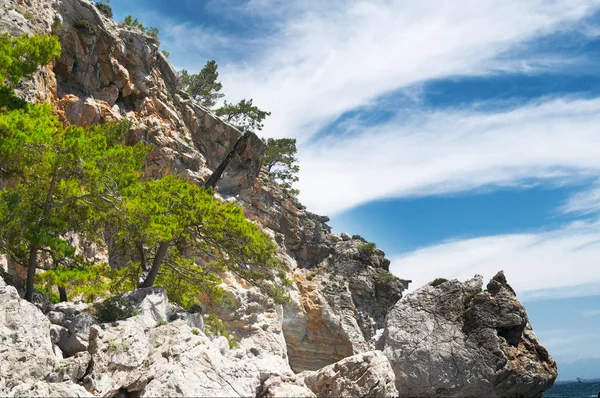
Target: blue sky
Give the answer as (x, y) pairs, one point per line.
(462, 137)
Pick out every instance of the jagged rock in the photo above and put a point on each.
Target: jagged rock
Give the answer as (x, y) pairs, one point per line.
(254, 321)
(81, 324)
(195, 321)
(68, 343)
(345, 236)
(339, 306)
(173, 360)
(282, 386)
(151, 303)
(63, 313)
(364, 375)
(456, 340)
(42, 389)
(26, 353)
(73, 368)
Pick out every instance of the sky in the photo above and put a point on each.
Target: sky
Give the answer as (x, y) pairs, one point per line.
(462, 137)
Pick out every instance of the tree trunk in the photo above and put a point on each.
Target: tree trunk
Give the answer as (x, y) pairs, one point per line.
(31, 266)
(63, 294)
(33, 251)
(216, 175)
(158, 259)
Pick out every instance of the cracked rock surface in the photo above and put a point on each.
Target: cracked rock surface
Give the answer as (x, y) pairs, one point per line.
(457, 340)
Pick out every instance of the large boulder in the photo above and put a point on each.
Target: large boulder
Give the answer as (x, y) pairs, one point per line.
(43, 389)
(364, 375)
(454, 339)
(26, 353)
(151, 304)
(176, 360)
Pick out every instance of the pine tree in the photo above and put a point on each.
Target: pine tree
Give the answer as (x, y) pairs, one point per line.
(58, 180)
(243, 115)
(281, 162)
(203, 86)
(167, 219)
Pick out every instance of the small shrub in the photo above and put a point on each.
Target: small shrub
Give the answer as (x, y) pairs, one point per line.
(311, 275)
(84, 24)
(113, 309)
(105, 9)
(28, 15)
(165, 53)
(438, 281)
(367, 248)
(162, 322)
(195, 332)
(150, 31)
(358, 237)
(214, 326)
(51, 294)
(387, 278)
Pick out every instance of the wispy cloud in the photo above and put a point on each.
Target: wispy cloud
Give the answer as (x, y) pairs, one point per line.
(585, 202)
(326, 58)
(550, 264)
(451, 151)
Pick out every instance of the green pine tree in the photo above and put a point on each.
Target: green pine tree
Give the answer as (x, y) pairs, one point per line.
(281, 162)
(203, 86)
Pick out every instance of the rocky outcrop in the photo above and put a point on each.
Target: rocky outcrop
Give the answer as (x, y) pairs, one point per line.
(26, 353)
(364, 375)
(339, 305)
(457, 340)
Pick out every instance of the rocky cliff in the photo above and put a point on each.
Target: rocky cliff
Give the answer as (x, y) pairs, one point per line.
(324, 342)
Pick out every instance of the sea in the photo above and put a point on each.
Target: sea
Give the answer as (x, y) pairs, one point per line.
(589, 389)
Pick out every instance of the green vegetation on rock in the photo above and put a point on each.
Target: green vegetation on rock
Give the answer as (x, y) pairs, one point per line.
(438, 281)
(203, 87)
(150, 31)
(281, 162)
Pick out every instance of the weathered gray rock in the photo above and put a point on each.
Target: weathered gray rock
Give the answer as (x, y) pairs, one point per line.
(151, 303)
(284, 386)
(339, 305)
(195, 321)
(364, 375)
(81, 324)
(68, 343)
(73, 368)
(26, 353)
(456, 340)
(174, 360)
(43, 389)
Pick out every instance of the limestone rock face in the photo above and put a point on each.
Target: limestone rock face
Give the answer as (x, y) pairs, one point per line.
(26, 353)
(364, 375)
(174, 360)
(151, 303)
(457, 340)
(282, 386)
(42, 389)
(339, 305)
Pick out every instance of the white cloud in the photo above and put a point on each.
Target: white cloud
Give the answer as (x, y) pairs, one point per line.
(325, 58)
(452, 151)
(585, 202)
(319, 59)
(551, 264)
